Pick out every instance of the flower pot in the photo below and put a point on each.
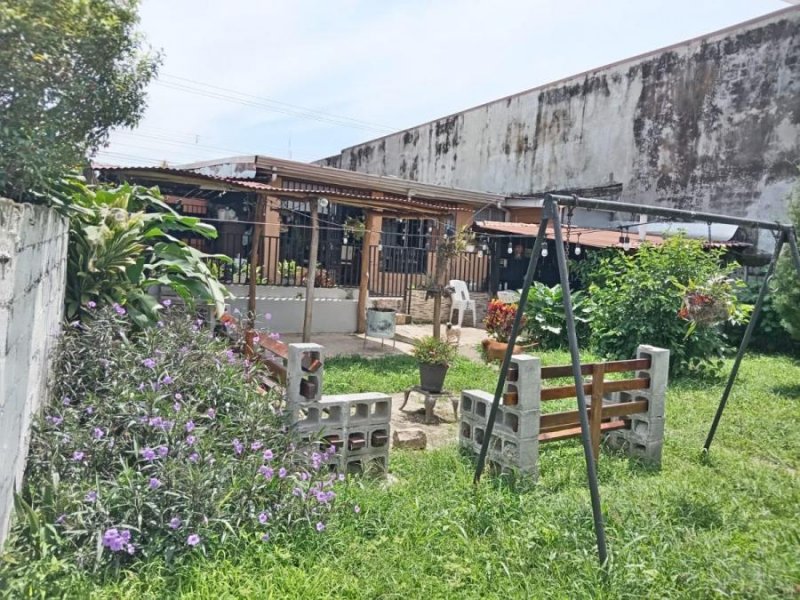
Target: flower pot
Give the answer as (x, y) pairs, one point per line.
(431, 377)
(497, 350)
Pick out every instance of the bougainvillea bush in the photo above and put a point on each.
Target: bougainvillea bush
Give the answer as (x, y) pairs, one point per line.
(159, 444)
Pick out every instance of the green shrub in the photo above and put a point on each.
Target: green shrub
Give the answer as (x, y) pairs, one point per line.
(158, 444)
(120, 244)
(786, 283)
(636, 299)
(769, 335)
(546, 322)
(433, 351)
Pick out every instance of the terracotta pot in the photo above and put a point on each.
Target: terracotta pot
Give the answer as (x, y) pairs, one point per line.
(497, 350)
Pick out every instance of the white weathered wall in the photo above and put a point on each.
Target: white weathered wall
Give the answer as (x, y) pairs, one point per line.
(710, 124)
(33, 256)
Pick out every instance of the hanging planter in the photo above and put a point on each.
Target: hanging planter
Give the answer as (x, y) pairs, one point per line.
(709, 304)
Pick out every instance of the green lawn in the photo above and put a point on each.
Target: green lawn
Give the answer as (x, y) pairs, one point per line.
(729, 528)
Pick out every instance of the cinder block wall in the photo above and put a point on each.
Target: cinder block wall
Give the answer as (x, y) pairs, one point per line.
(33, 257)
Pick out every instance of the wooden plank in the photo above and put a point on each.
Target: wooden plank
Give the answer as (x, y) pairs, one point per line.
(623, 385)
(277, 371)
(596, 412)
(557, 420)
(623, 409)
(615, 366)
(277, 347)
(574, 432)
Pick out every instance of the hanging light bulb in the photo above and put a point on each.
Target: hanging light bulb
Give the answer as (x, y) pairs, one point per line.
(545, 252)
(626, 244)
(510, 249)
(344, 240)
(578, 246)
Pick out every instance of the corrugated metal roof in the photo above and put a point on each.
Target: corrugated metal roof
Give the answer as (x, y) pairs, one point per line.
(341, 177)
(592, 238)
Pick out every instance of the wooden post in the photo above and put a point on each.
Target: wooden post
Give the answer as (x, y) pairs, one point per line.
(363, 283)
(311, 273)
(596, 415)
(255, 243)
(438, 270)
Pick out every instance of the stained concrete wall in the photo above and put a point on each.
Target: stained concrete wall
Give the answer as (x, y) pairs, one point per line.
(33, 257)
(710, 124)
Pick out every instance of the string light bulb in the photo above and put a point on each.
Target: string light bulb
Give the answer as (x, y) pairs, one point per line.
(510, 249)
(545, 252)
(578, 246)
(626, 244)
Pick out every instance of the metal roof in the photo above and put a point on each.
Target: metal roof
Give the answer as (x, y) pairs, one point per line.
(259, 166)
(592, 238)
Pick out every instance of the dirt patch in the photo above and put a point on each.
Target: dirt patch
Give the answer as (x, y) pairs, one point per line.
(439, 433)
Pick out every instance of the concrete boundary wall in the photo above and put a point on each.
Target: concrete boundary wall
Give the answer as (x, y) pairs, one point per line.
(33, 260)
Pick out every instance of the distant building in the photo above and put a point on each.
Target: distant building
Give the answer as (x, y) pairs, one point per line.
(709, 124)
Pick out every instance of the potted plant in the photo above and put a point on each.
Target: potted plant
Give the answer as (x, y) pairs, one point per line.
(499, 321)
(434, 357)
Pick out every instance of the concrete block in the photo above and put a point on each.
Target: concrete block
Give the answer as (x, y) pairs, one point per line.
(528, 380)
(410, 439)
(302, 385)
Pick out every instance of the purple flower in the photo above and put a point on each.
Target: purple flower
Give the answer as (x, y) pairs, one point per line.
(297, 492)
(174, 523)
(274, 336)
(265, 537)
(237, 446)
(194, 457)
(55, 420)
(267, 454)
(176, 407)
(130, 548)
(193, 539)
(91, 304)
(154, 483)
(341, 476)
(256, 445)
(78, 455)
(282, 472)
(61, 518)
(304, 476)
(148, 454)
(268, 316)
(178, 396)
(320, 526)
(149, 363)
(119, 310)
(91, 496)
(162, 451)
(189, 426)
(266, 471)
(356, 509)
(97, 433)
(141, 387)
(155, 421)
(66, 400)
(211, 413)
(167, 380)
(89, 410)
(190, 440)
(160, 324)
(117, 541)
(263, 518)
(331, 450)
(167, 303)
(256, 339)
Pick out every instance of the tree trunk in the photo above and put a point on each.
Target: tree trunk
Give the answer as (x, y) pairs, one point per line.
(255, 243)
(440, 272)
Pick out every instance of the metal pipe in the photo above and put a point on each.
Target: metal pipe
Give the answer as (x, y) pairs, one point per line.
(572, 337)
(614, 206)
(745, 341)
(512, 339)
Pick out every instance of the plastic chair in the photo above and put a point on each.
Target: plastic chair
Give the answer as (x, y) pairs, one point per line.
(461, 301)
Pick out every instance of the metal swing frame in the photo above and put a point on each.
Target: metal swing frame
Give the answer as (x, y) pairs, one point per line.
(550, 216)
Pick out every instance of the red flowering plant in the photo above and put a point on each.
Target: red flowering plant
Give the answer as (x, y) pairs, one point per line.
(711, 303)
(500, 319)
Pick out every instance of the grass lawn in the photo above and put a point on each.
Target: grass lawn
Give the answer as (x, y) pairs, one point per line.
(729, 528)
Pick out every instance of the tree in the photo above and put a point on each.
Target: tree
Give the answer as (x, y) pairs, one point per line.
(786, 283)
(69, 71)
(449, 244)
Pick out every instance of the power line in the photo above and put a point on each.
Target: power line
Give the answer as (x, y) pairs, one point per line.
(287, 105)
(265, 105)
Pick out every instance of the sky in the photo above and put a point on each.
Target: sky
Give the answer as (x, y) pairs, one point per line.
(303, 79)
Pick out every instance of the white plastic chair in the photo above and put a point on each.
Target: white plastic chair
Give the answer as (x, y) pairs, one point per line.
(461, 302)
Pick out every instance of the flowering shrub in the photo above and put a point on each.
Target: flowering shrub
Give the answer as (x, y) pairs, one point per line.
(159, 443)
(500, 319)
